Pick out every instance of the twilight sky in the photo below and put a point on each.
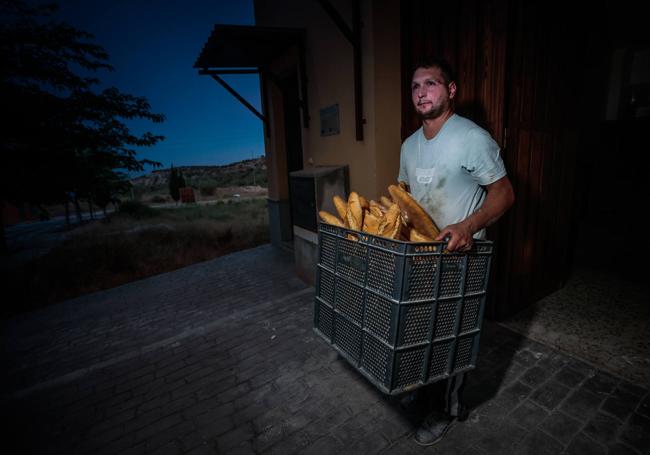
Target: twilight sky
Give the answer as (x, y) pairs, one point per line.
(153, 46)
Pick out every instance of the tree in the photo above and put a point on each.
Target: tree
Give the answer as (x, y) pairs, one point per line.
(60, 135)
(174, 184)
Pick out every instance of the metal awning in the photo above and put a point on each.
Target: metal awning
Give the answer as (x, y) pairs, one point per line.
(243, 49)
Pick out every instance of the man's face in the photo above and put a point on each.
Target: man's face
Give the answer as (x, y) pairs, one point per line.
(431, 96)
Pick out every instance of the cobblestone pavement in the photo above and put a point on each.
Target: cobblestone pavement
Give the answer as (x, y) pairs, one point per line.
(220, 357)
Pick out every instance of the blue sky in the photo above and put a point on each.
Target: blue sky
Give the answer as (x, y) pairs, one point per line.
(153, 46)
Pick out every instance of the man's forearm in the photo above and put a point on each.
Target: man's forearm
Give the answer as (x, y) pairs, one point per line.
(499, 199)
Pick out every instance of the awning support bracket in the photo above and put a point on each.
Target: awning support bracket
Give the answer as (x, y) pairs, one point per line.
(354, 37)
(215, 75)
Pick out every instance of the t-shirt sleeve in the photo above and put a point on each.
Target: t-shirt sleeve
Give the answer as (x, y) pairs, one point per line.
(402, 176)
(482, 159)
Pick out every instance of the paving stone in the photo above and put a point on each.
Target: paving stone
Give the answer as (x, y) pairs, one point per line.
(552, 361)
(600, 383)
(405, 446)
(229, 388)
(526, 358)
(644, 407)
(636, 433)
(324, 446)
(329, 421)
(234, 438)
(582, 404)
(370, 442)
(519, 390)
(561, 426)
(538, 443)
(535, 376)
(602, 428)
(635, 390)
(620, 404)
(159, 426)
(191, 440)
(528, 415)
(393, 429)
(583, 445)
(550, 394)
(269, 436)
(295, 443)
(570, 376)
(503, 440)
(210, 427)
(617, 448)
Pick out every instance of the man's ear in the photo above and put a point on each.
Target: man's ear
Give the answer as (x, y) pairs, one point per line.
(452, 89)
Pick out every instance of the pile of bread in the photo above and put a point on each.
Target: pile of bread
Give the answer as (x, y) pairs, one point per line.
(399, 217)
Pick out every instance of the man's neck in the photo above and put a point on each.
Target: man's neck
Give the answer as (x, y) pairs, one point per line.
(431, 127)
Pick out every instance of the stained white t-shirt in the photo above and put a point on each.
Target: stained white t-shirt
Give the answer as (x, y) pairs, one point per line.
(447, 173)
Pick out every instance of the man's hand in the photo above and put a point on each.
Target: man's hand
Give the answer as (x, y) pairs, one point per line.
(499, 199)
(460, 237)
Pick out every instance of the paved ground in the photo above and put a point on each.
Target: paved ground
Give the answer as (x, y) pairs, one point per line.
(220, 357)
(598, 316)
(29, 240)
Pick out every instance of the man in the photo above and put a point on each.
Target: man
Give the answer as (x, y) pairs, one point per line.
(453, 169)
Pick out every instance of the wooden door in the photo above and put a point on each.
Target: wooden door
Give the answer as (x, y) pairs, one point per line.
(522, 71)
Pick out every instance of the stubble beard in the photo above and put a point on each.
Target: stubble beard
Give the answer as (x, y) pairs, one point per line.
(432, 113)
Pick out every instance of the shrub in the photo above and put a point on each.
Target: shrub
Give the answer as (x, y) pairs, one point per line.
(137, 210)
(207, 187)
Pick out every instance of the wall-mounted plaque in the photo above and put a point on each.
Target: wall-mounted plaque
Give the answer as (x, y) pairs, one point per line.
(329, 121)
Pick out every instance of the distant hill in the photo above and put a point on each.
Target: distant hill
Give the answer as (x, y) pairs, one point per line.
(240, 173)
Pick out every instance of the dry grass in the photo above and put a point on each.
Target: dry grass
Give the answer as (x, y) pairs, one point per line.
(128, 247)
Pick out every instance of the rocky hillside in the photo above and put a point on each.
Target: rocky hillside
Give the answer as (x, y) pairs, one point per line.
(240, 173)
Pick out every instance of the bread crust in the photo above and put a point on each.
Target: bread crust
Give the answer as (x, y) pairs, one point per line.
(415, 236)
(340, 205)
(354, 214)
(330, 219)
(417, 217)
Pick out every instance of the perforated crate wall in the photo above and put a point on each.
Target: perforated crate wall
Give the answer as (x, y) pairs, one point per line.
(403, 314)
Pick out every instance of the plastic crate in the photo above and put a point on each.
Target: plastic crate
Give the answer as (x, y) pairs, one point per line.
(403, 314)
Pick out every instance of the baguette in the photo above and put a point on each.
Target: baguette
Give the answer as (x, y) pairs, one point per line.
(376, 209)
(386, 202)
(354, 214)
(330, 219)
(390, 224)
(364, 202)
(416, 215)
(341, 206)
(415, 236)
(371, 223)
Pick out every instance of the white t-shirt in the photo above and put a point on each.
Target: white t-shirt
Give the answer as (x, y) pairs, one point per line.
(446, 173)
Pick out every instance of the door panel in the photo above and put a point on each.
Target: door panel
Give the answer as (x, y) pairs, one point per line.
(519, 65)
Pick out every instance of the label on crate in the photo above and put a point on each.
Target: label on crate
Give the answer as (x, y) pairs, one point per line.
(352, 261)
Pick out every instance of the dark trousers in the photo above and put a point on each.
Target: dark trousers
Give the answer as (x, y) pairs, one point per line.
(446, 395)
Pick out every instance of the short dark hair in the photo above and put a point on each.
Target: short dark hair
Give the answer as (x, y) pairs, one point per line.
(437, 62)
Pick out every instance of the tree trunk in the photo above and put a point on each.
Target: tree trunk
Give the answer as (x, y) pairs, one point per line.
(67, 215)
(4, 248)
(77, 208)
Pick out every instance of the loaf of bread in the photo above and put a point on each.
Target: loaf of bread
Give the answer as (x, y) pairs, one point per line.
(385, 202)
(417, 217)
(371, 223)
(330, 219)
(354, 214)
(391, 223)
(401, 218)
(364, 202)
(415, 236)
(341, 206)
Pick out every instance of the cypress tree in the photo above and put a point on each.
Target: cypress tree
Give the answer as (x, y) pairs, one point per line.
(174, 184)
